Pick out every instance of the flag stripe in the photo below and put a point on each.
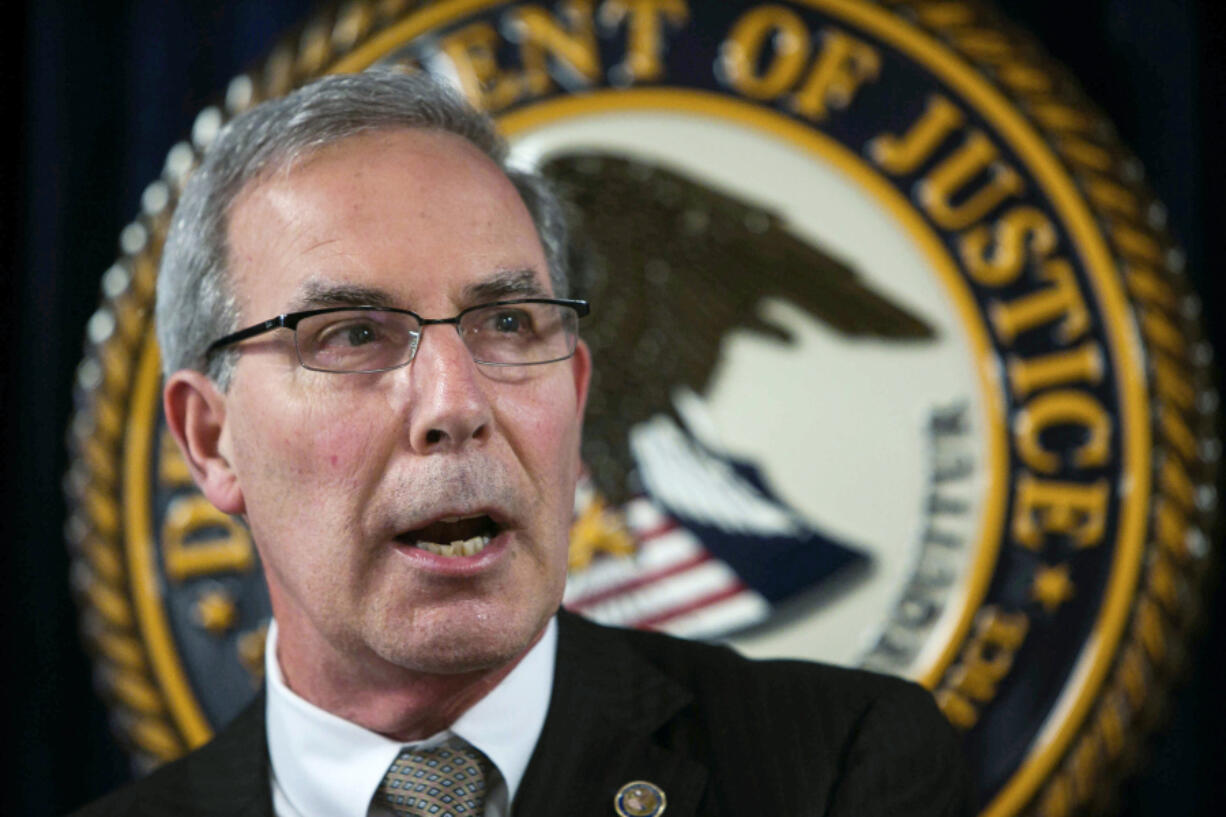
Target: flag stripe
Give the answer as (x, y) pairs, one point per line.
(689, 607)
(638, 582)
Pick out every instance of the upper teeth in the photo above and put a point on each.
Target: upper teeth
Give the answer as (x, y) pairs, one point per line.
(464, 547)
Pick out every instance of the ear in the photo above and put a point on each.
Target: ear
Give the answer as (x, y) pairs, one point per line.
(196, 414)
(581, 366)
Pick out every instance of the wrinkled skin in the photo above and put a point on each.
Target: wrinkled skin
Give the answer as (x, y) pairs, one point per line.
(329, 469)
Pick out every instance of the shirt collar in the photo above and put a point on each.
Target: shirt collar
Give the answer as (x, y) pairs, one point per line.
(325, 764)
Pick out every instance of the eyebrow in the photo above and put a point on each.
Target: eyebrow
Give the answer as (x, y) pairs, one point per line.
(319, 294)
(520, 283)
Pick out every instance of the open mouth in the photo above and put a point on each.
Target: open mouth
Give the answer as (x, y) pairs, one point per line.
(454, 536)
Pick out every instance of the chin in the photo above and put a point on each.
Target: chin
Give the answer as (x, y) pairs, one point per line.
(464, 644)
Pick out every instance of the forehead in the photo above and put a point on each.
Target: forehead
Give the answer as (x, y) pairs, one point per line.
(421, 216)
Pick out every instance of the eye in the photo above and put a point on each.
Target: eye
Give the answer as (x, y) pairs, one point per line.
(350, 333)
(519, 333)
(357, 335)
(511, 321)
(356, 340)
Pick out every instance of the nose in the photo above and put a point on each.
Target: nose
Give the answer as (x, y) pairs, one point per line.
(449, 405)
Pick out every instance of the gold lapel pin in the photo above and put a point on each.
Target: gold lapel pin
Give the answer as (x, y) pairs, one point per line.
(639, 798)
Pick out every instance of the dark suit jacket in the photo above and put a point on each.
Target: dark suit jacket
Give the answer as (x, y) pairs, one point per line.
(719, 734)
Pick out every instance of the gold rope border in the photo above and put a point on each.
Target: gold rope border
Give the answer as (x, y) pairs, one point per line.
(1185, 432)
(141, 713)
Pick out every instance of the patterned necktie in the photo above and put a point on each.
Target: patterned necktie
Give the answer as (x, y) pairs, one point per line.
(445, 781)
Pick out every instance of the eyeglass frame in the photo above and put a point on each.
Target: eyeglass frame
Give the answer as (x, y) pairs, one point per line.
(290, 320)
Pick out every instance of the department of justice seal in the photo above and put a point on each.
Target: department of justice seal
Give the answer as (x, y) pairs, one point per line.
(896, 367)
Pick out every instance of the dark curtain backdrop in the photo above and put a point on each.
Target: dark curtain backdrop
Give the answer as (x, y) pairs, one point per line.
(102, 90)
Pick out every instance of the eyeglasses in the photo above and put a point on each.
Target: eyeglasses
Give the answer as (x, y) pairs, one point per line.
(364, 339)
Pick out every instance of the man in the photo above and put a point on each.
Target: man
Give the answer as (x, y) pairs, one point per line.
(410, 486)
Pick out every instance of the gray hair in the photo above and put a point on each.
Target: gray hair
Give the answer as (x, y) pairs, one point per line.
(196, 304)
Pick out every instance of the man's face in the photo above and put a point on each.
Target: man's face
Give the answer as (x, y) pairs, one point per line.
(342, 474)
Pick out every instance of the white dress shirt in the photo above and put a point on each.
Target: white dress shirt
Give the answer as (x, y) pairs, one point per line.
(326, 766)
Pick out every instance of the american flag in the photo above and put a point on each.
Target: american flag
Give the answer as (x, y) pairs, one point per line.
(716, 551)
(672, 583)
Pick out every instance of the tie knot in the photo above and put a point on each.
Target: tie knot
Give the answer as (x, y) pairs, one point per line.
(447, 780)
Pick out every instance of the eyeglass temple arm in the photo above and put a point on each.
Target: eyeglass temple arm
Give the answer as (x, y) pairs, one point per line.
(249, 332)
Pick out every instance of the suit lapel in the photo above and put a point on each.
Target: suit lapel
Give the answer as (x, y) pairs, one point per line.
(228, 777)
(606, 706)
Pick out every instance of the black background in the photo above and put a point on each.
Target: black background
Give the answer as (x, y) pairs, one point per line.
(98, 92)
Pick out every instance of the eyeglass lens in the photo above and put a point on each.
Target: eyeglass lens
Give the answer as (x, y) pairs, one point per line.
(365, 340)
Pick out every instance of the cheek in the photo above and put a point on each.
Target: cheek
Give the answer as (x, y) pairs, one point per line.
(341, 449)
(310, 445)
(308, 475)
(546, 434)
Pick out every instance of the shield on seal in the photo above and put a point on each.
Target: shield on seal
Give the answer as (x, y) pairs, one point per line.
(894, 369)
